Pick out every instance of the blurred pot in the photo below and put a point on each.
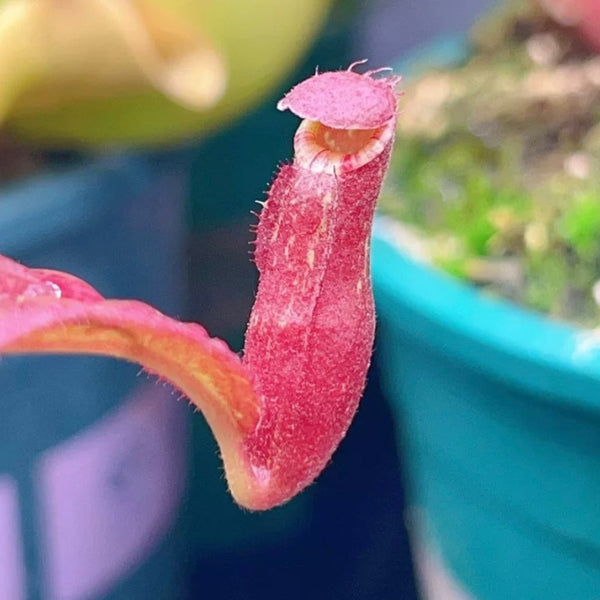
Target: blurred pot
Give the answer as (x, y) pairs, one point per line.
(94, 457)
(498, 423)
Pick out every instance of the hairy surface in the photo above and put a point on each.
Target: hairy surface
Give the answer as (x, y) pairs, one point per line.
(279, 413)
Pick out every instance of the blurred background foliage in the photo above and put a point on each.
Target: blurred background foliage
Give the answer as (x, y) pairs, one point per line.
(143, 71)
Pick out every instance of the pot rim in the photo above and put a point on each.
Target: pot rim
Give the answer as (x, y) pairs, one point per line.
(51, 203)
(555, 360)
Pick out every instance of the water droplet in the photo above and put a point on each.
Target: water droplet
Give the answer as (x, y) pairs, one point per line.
(17, 290)
(40, 289)
(45, 288)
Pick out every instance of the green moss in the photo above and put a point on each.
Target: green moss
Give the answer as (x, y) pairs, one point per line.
(497, 165)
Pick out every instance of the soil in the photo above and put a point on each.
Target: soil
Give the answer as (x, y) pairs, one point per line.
(495, 176)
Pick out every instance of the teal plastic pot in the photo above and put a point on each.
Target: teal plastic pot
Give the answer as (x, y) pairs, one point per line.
(498, 419)
(93, 458)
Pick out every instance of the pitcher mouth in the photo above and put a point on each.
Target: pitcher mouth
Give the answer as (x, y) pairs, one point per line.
(323, 149)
